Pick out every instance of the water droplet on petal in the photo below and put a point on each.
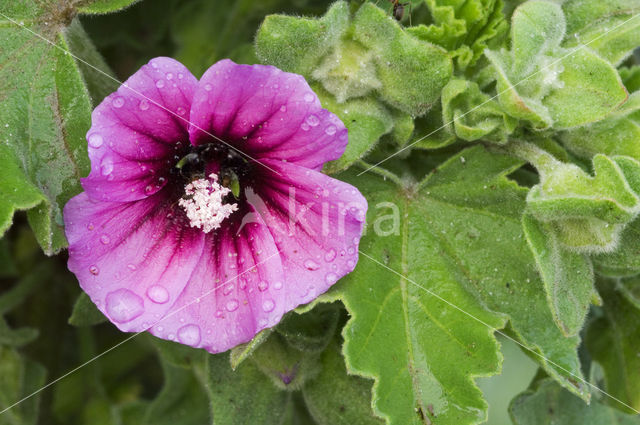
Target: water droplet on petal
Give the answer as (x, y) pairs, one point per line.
(207, 87)
(189, 335)
(283, 108)
(181, 110)
(228, 289)
(131, 267)
(312, 120)
(330, 255)
(160, 84)
(124, 306)
(106, 166)
(311, 265)
(148, 189)
(331, 278)
(277, 285)
(232, 305)
(169, 76)
(263, 286)
(105, 239)
(118, 102)
(180, 76)
(331, 130)
(95, 140)
(309, 97)
(268, 305)
(158, 294)
(144, 105)
(94, 270)
(305, 126)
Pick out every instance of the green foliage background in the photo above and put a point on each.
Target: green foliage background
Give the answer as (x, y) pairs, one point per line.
(512, 278)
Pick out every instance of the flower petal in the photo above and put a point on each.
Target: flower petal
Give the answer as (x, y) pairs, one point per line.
(317, 222)
(132, 259)
(265, 113)
(137, 129)
(235, 291)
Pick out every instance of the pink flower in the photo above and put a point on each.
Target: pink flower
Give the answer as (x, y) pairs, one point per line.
(205, 216)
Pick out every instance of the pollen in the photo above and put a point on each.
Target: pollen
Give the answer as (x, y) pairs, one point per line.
(203, 203)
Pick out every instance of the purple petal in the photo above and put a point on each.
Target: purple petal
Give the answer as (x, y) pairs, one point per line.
(137, 129)
(317, 223)
(235, 291)
(132, 259)
(265, 113)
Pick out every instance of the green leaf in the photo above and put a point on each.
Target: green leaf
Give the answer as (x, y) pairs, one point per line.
(464, 28)
(473, 115)
(297, 44)
(609, 28)
(242, 352)
(19, 378)
(85, 313)
(630, 289)
(587, 213)
(334, 397)
(16, 337)
(551, 404)
(613, 341)
(366, 121)
(244, 396)
(567, 276)
(310, 331)
(625, 260)
(544, 83)
(460, 238)
(285, 365)
(103, 6)
(412, 71)
(180, 401)
(43, 121)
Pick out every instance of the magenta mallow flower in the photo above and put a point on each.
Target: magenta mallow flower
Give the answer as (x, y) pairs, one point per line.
(205, 216)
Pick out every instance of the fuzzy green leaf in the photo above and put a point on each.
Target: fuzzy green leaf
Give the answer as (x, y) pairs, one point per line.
(310, 331)
(625, 260)
(244, 396)
(614, 342)
(43, 121)
(544, 83)
(551, 404)
(608, 27)
(461, 238)
(19, 377)
(334, 397)
(567, 276)
(102, 6)
(85, 312)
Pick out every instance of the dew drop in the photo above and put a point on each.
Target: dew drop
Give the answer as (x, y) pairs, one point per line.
(232, 305)
(228, 289)
(330, 255)
(283, 108)
(160, 84)
(268, 305)
(94, 270)
(169, 76)
(180, 76)
(158, 294)
(124, 306)
(181, 110)
(118, 102)
(309, 97)
(305, 126)
(263, 286)
(148, 189)
(189, 335)
(331, 278)
(131, 267)
(105, 239)
(313, 120)
(95, 140)
(207, 87)
(144, 105)
(277, 285)
(311, 265)
(219, 314)
(331, 130)
(106, 166)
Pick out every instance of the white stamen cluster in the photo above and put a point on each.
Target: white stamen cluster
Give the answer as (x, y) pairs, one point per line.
(203, 203)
